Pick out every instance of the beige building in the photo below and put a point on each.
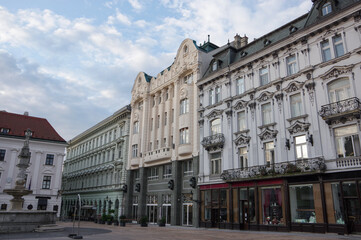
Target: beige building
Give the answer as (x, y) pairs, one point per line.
(164, 138)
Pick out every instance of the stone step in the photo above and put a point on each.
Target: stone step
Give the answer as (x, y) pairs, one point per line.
(49, 228)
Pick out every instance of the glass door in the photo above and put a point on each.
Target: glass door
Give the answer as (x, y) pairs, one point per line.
(187, 214)
(166, 212)
(152, 211)
(351, 196)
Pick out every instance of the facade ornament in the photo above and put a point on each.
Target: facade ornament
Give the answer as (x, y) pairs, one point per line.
(136, 117)
(183, 93)
(214, 113)
(298, 126)
(336, 71)
(240, 105)
(252, 107)
(201, 122)
(268, 134)
(279, 99)
(293, 86)
(229, 114)
(265, 96)
(242, 140)
(311, 91)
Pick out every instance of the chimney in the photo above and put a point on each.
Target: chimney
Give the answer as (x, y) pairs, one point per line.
(244, 41)
(237, 41)
(26, 113)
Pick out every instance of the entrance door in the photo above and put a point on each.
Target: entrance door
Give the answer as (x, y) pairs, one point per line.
(244, 213)
(166, 212)
(152, 211)
(351, 194)
(188, 214)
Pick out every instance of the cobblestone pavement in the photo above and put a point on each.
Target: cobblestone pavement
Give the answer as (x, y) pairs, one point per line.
(91, 231)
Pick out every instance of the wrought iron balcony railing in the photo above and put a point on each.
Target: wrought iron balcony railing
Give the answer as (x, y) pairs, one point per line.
(347, 106)
(213, 142)
(283, 168)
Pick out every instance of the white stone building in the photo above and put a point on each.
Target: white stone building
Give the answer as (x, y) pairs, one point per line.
(280, 127)
(43, 176)
(95, 168)
(164, 139)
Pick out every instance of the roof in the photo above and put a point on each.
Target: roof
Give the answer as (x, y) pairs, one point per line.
(18, 124)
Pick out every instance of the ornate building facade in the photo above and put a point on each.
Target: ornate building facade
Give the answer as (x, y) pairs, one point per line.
(280, 127)
(163, 149)
(95, 168)
(43, 176)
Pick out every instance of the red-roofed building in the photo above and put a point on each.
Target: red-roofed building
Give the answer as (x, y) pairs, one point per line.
(47, 154)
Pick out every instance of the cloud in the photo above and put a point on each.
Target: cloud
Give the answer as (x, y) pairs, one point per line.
(119, 18)
(135, 4)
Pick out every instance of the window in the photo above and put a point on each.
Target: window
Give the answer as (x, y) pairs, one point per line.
(302, 204)
(266, 113)
(243, 160)
(211, 97)
(218, 95)
(164, 142)
(296, 105)
(136, 127)
(153, 173)
(216, 126)
(188, 168)
(326, 51)
(188, 79)
(46, 182)
(263, 76)
(2, 154)
(339, 90)
(240, 85)
(136, 175)
(167, 171)
(272, 207)
(165, 118)
(326, 8)
(301, 147)
(184, 136)
(347, 141)
(291, 65)
(241, 119)
(158, 121)
(49, 159)
(269, 153)
(150, 146)
(216, 163)
(184, 106)
(338, 45)
(135, 150)
(214, 66)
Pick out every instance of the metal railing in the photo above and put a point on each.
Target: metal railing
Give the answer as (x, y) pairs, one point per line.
(214, 141)
(336, 108)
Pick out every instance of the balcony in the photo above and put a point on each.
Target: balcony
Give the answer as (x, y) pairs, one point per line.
(290, 168)
(341, 110)
(159, 154)
(344, 163)
(213, 142)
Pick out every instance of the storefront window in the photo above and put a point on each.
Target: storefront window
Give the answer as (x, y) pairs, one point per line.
(208, 205)
(224, 206)
(333, 203)
(302, 204)
(252, 205)
(349, 189)
(272, 206)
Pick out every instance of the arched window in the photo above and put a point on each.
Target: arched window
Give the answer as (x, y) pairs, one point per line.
(339, 90)
(216, 126)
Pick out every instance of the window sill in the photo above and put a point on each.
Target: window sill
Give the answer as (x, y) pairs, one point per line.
(298, 117)
(267, 125)
(335, 60)
(241, 132)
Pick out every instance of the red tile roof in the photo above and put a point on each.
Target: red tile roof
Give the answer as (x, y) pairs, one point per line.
(18, 124)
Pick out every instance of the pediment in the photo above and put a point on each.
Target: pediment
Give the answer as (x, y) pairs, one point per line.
(336, 71)
(242, 140)
(214, 113)
(298, 126)
(240, 105)
(268, 134)
(265, 96)
(293, 86)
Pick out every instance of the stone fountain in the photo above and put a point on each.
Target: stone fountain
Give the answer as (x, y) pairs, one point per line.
(17, 219)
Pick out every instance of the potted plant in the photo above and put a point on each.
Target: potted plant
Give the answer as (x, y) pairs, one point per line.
(103, 219)
(161, 222)
(122, 220)
(109, 219)
(143, 221)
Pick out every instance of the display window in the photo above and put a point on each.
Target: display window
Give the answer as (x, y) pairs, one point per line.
(302, 204)
(272, 206)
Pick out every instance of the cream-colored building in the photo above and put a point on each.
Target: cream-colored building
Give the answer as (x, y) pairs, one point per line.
(95, 168)
(164, 138)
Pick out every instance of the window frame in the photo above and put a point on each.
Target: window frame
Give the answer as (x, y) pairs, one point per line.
(243, 158)
(296, 104)
(184, 135)
(215, 129)
(326, 50)
(184, 106)
(46, 182)
(49, 160)
(302, 146)
(135, 150)
(167, 171)
(215, 162)
(327, 6)
(269, 153)
(355, 148)
(263, 112)
(136, 127)
(244, 120)
(263, 76)
(292, 67)
(240, 85)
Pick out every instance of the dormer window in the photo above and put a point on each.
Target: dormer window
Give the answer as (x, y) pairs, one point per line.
(243, 54)
(214, 66)
(266, 42)
(326, 8)
(293, 29)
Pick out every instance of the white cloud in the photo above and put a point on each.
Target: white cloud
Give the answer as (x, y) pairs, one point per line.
(135, 4)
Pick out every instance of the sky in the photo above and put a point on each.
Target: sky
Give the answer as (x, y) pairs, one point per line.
(74, 62)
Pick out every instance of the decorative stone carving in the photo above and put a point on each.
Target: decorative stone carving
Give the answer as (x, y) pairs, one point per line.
(201, 122)
(229, 113)
(298, 126)
(213, 142)
(183, 93)
(240, 105)
(268, 134)
(252, 107)
(242, 140)
(214, 113)
(293, 86)
(336, 71)
(311, 91)
(279, 99)
(265, 96)
(136, 117)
